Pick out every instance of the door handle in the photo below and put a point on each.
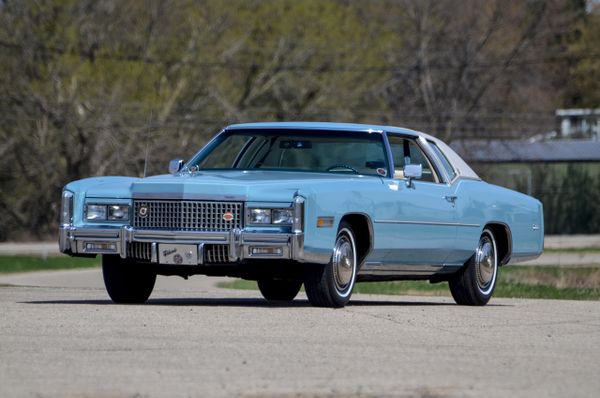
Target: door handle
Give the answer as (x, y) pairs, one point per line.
(451, 199)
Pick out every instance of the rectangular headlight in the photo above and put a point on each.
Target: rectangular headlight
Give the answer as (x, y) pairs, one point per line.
(282, 216)
(95, 212)
(118, 212)
(260, 216)
(66, 213)
(271, 216)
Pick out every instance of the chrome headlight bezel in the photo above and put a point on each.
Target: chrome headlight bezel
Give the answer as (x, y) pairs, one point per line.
(270, 217)
(95, 212)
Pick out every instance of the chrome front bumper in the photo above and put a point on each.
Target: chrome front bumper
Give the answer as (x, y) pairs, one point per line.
(83, 241)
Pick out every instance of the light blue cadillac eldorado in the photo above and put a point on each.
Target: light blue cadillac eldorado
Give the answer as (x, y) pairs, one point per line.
(324, 204)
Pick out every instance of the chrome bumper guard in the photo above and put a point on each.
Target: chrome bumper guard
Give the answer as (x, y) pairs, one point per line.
(74, 240)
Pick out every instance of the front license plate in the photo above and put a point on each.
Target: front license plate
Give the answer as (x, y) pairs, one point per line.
(177, 254)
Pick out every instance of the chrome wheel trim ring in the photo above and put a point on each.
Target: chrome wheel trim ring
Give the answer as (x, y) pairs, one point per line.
(344, 263)
(486, 263)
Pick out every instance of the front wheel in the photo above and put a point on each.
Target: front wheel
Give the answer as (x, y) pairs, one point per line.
(331, 285)
(126, 281)
(474, 284)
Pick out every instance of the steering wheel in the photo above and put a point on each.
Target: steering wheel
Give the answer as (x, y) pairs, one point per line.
(342, 166)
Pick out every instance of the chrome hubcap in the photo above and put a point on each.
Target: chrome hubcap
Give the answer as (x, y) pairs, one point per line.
(343, 263)
(485, 261)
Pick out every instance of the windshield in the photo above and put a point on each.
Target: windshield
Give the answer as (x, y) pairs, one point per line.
(312, 151)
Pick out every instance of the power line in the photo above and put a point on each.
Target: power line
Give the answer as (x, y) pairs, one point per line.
(93, 55)
(184, 110)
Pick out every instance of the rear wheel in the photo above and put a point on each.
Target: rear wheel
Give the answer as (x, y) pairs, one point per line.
(331, 285)
(475, 282)
(279, 289)
(126, 281)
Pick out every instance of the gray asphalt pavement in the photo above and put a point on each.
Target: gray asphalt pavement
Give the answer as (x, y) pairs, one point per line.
(61, 337)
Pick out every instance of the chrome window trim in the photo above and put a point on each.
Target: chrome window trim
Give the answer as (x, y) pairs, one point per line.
(432, 143)
(209, 147)
(389, 154)
(427, 152)
(430, 154)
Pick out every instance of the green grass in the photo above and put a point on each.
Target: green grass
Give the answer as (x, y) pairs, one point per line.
(514, 281)
(27, 264)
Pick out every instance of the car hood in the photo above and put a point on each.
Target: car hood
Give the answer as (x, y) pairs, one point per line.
(254, 185)
(104, 187)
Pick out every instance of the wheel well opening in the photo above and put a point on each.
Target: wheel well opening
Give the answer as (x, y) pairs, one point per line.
(363, 232)
(503, 241)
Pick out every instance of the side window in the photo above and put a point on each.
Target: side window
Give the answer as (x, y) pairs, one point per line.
(406, 151)
(444, 160)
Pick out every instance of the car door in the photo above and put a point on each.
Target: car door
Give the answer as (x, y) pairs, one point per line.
(415, 222)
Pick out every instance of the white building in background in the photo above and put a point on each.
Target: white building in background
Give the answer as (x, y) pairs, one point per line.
(579, 123)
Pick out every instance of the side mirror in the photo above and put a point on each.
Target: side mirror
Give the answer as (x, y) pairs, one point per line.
(412, 172)
(175, 165)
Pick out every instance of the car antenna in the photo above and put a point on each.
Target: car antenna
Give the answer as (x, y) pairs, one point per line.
(146, 157)
(147, 144)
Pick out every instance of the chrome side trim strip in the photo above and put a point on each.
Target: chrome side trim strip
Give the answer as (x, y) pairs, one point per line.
(446, 224)
(390, 269)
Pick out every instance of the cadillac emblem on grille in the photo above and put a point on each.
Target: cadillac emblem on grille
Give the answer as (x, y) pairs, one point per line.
(228, 216)
(143, 211)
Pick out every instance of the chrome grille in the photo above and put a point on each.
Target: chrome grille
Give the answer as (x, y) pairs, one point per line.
(186, 215)
(215, 254)
(139, 251)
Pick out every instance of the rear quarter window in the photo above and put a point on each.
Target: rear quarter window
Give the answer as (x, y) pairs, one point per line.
(443, 160)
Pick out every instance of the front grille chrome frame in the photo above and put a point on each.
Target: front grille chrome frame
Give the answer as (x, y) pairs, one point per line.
(187, 215)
